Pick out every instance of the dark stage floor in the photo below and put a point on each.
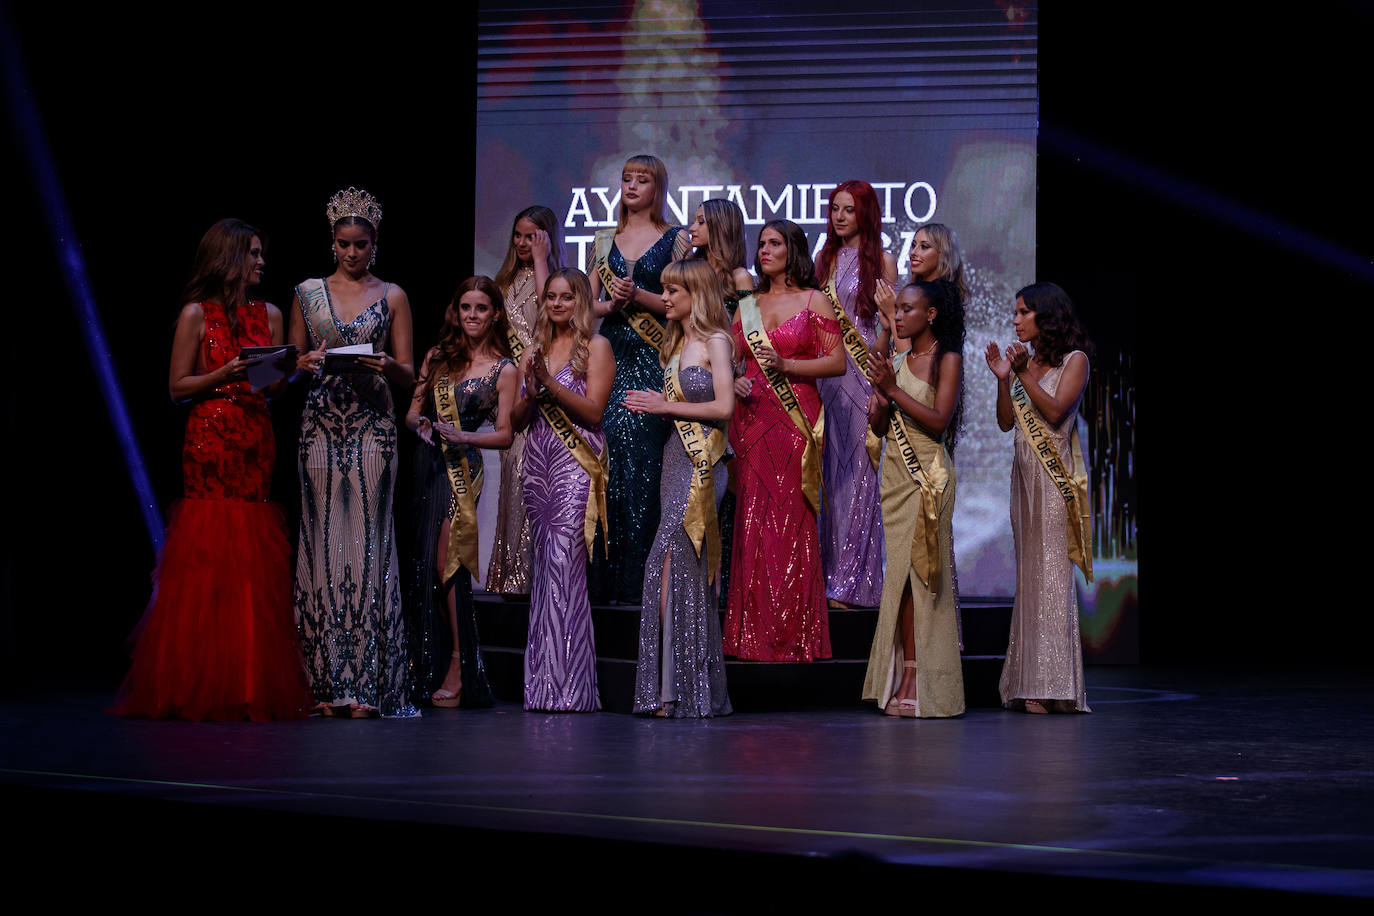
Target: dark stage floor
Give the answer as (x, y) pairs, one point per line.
(1221, 780)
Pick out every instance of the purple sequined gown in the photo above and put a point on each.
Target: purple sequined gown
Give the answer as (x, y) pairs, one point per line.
(560, 656)
(852, 520)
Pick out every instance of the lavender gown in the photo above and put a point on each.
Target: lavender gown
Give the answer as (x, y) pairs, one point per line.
(852, 520)
(560, 656)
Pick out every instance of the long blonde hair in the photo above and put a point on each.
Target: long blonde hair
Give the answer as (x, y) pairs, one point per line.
(659, 172)
(708, 317)
(951, 257)
(581, 320)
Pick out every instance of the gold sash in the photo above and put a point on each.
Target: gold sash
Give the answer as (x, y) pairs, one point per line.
(858, 351)
(925, 546)
(1077, 506)
(641, 321)
(467, 488)
(704, 449)
(751, 322)
(595, 467)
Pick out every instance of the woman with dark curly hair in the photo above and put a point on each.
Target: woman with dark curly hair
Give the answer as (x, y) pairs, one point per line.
(1038, 393)
(776, 609)
(465, 380)
(914, 667)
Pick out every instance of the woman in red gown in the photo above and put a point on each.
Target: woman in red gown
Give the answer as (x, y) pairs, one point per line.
(218, 639)
(777, 609)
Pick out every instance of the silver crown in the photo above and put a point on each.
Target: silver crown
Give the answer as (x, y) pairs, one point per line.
(354, 202)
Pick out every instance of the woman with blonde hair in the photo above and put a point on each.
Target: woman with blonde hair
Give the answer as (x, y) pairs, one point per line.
(535, 252)
(626, 263)
(567, 381)
(681, 670)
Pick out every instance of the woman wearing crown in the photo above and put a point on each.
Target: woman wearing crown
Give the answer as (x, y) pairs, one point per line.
(348, 584)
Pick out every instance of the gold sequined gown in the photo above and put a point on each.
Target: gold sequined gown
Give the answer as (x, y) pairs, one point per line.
(939, 671)
(1045, 650)
(508, 572)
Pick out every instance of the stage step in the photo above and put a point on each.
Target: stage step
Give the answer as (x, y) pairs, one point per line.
(754, 686)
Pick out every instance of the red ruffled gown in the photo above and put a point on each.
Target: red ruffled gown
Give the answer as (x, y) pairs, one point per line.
(218, 640)
(776, 609)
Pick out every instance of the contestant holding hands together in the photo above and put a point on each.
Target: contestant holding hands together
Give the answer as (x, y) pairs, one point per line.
(1038, 393)
(857, 276)
(217, 640)
(776, 609)
(626, 263)
(914, 667)
(466, 379)
(567, 381)
(348, 587)
(536, 250)
(681, 669)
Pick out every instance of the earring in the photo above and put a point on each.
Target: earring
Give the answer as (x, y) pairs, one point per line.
(335, 252)
(372, 260)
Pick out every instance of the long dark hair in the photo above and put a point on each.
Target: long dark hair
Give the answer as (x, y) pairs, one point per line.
(1058, 330)
(545, 219)
(949, 331)
(219, 271)
(451, 353)
(724, 249)
(799, 268)
(868, 214)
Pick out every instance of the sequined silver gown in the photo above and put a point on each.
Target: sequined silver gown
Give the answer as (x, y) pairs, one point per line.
(348, 584)
(1045, 650)
(687, 677)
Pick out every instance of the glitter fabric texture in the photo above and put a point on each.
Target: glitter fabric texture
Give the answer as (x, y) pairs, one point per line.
(1045, 651)
(508, 572)
(776, 610)
(348, 590)
(939, 670)
(852, 518)
(635, 440)
(431, 640)
(217, 640)
(680, 663)
(560, 656)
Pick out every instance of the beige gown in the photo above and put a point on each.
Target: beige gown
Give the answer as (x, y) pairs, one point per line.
(1045, 650)
(939, 671)
(508, 572)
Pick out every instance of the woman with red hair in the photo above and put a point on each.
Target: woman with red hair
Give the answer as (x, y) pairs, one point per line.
(856, 273)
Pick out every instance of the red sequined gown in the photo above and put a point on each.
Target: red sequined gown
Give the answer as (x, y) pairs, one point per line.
(218, 640)
(777, 608)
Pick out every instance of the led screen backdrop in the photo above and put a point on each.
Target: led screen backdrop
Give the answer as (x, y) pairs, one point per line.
(771, 105)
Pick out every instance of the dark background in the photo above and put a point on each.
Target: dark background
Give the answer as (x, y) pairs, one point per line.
(1238, 333)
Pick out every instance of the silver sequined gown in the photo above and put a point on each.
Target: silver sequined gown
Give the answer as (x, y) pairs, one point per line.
(688, 676)
(348, 585)
(1045, 651)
